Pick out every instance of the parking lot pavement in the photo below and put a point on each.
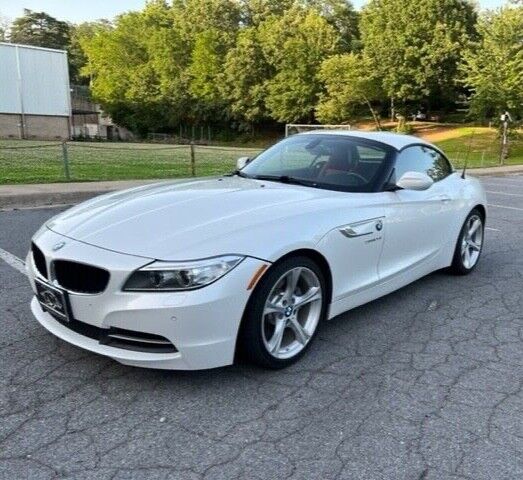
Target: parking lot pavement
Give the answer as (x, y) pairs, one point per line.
(425, 383)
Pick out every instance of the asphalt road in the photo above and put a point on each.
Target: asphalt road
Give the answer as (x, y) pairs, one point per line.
(425, 383)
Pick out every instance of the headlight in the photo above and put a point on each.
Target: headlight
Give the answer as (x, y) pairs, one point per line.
(173, 276)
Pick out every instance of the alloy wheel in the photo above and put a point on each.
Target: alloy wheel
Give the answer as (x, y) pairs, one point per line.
(292, 312)
(472, 241)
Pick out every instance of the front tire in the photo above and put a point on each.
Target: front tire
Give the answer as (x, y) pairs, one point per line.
(469, 245)
(282, 316)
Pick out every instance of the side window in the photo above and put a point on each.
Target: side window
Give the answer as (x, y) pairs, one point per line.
(440, 167)
(370, 160)
(424, 160)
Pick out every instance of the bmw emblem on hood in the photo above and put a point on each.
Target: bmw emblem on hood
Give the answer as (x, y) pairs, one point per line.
(58, 246)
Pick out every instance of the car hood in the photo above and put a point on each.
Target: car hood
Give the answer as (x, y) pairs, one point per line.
(199, 219)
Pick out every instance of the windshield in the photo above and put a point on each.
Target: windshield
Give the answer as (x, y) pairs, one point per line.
(326, 161)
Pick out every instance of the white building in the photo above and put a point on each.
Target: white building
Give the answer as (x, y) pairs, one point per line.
(35, 100)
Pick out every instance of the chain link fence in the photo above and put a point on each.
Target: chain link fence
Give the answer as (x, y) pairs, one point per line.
(44, 162)
(480, 147)
(484, 155)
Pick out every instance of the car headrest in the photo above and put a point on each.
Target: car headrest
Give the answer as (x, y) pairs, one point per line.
(343, 158)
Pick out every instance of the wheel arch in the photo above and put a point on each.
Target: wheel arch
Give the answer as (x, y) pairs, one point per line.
(482, 210)
(319, 259)
(310, 253)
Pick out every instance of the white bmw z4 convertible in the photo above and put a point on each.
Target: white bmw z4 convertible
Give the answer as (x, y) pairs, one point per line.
(189, 275)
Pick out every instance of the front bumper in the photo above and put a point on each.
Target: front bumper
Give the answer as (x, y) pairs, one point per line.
(202, 324)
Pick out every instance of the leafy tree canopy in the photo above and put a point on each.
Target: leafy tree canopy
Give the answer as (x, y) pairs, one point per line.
(77, 57)
(493, 66)
(246, 61)
(4, 26)
(134, 69)
(169, 68)
(246, 72)
(294, 45)
(41, 30)
(415, 45)
(342, 16)
(255, 12)
(349, 83)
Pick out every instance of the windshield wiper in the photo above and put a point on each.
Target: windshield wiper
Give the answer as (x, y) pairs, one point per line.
(237, 172)
(286, 179)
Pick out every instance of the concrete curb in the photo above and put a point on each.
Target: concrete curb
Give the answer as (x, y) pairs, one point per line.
(496, 171)
(41, 195)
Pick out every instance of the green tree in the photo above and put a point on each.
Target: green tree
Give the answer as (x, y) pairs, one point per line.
(205, 74)
(255, 12)
(339, 13)
(349, 82)
(4, 27)
(77, 57)
(342, 16)
(169, 54)
(294, 45)
(123, 76)
(246, 72)
(191, 17)
(214, 60)
(41, 30)
(415, 46)
(493, 68)
(206, 42)
(276, 54)
(161, 66)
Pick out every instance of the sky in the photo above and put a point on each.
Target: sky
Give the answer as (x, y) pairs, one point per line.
(82, 10)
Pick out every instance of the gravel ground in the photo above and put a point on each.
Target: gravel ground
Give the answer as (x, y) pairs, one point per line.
(425, 383)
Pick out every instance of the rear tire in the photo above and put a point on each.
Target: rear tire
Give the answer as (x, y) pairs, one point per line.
(469, 245)
(283, 313)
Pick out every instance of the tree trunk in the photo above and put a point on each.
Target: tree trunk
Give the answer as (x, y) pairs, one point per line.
(392, 111)
(374, 115)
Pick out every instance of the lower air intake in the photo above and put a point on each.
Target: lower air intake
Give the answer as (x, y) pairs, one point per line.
(131, 340)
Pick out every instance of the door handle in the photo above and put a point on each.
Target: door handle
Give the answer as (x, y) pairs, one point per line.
(444, 198)
(361, 229)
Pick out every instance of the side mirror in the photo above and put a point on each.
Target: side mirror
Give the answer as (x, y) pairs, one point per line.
(414, 181)
(241, 162)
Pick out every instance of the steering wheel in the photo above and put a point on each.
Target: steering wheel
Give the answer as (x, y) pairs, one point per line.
(317, 168)
(361, 178)
(346, 178)
(358, 176)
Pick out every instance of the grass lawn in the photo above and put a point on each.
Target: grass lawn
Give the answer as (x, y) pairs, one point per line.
(42, 162)
(480, 146)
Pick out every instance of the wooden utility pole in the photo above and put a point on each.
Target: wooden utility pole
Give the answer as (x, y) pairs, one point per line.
(193, 160)
(65, 158)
